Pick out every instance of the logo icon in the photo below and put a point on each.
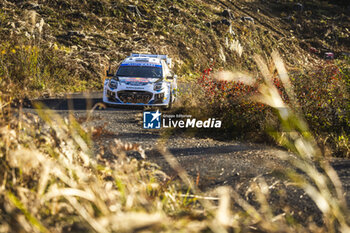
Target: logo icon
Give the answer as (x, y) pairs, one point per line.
(151, 120)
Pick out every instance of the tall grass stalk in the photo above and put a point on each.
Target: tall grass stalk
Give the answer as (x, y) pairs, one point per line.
(320, 181)
(54, 179)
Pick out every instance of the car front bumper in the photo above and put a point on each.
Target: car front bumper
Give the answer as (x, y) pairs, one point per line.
(136, 97)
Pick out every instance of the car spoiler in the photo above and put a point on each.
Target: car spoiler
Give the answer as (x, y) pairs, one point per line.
(160, 56)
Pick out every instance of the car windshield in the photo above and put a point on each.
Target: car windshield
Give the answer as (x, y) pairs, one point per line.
(140, 71)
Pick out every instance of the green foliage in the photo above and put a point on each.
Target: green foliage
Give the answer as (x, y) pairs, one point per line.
(36, 68)
(32, 220)
(53, 179)
(323, 95)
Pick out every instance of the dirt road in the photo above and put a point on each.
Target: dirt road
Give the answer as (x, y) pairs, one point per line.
(211, 162)
(216, 162)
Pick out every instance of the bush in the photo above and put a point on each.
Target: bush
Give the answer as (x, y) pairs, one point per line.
(322, 95)
(53, 179)
(34, 68)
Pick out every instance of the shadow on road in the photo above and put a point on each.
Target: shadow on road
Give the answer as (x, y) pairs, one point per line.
(81, 101)
(189, 151)
(132, 136)
(68, 103)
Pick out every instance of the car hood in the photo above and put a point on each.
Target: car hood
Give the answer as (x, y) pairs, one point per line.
(137, 81)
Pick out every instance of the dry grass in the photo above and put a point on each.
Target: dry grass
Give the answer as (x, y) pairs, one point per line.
(53, 181)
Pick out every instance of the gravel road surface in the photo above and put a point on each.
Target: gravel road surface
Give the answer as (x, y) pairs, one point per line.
(211, 162)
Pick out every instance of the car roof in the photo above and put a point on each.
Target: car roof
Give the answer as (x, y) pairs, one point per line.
(142, 61)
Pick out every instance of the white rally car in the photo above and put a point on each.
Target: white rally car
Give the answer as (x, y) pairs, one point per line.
(142, 79)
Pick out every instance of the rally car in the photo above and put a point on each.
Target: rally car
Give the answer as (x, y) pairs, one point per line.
(141, 79)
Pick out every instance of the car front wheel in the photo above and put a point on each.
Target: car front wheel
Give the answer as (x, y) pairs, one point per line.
(170, 105)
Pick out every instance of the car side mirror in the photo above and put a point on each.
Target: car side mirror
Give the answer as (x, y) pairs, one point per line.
(170, 77)
(109, 73)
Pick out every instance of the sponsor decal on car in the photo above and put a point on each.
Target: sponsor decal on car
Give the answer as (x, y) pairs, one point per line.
(145, 80)
(141, 64)
(135, 88)
(152, 120)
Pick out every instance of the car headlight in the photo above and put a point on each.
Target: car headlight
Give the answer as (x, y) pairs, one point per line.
(159, 86)
(113, 83)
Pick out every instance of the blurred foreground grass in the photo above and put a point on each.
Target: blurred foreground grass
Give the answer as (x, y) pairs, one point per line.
(52, 180)
(320, 96)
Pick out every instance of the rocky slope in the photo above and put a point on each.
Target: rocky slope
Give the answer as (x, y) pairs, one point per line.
(194, 33)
